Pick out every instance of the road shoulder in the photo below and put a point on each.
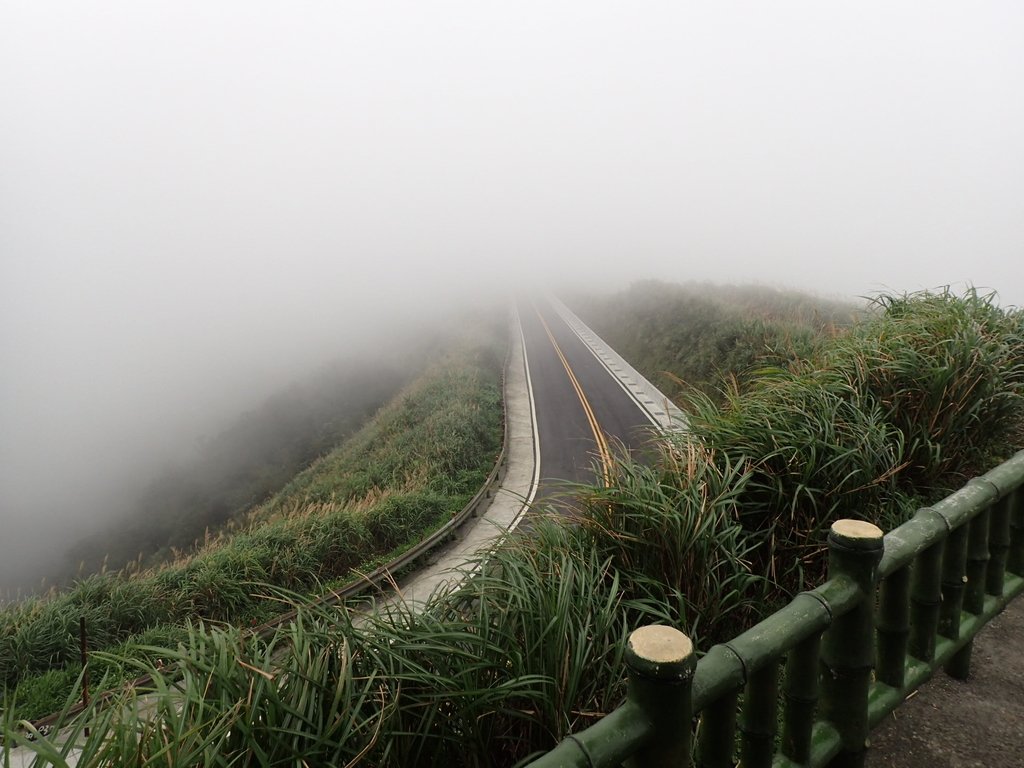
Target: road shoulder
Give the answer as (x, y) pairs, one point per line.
(952, 724)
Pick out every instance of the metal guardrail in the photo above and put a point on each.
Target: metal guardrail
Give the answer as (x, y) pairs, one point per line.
(472, 508)
(379, 575)
(384, 572)
(894, 610)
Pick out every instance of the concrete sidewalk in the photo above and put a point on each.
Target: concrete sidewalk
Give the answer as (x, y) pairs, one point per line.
(953, 724)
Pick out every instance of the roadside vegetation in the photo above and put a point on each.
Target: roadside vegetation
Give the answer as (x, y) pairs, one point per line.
(415, 464)
(711, 338)
(895, 411)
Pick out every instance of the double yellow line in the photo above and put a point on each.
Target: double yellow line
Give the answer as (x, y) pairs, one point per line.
(599, 437)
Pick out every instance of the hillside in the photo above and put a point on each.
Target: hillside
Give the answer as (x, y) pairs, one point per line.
(404, 473)
(707, 337)
(241, 466)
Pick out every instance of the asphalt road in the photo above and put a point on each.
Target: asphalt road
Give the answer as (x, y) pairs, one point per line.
(582, 412)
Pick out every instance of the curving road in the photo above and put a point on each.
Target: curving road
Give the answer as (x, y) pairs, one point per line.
(582, 412)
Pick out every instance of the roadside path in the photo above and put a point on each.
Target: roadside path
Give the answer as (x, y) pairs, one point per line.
(447, 565)
(978, 723)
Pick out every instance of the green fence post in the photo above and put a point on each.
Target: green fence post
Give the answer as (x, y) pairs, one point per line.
(959, 666)
(800, 689)
(759, 721)
(998, 546)
(1015, 556)
(954, 565)
(661, 662)
(893, 627)
(717, 741)
(977, 559)
(848, 646)
(925, 597)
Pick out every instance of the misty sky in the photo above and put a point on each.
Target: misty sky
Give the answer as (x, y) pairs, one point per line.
(198, 198)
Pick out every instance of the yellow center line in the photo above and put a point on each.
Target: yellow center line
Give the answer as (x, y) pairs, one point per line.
(599, 437)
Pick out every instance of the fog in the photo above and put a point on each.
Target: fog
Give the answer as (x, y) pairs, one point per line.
(199, 201)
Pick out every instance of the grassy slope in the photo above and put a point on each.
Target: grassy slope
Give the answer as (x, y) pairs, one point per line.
(243, 465)
(709, 337)
(412, 467)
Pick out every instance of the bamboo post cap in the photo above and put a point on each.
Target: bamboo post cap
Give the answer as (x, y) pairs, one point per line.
(856, 534)
(660, 652)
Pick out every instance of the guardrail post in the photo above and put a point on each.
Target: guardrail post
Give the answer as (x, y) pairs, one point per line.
(717, 741)
(848, 648)
(800, 688)
(760, 717)
(959, 667)
(1015, 557)
(998, 546)
(893, 627)
(954, 578)
(925, 596)
(661, 663)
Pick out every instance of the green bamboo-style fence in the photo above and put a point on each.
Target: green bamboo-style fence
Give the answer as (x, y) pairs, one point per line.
(894, 610)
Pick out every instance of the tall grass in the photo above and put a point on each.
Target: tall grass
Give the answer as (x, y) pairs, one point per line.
(894, 413)
(672, 529)
(947, 371)
(489, 673)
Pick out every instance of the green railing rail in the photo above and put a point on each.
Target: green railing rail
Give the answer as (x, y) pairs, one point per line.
(894, 610)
